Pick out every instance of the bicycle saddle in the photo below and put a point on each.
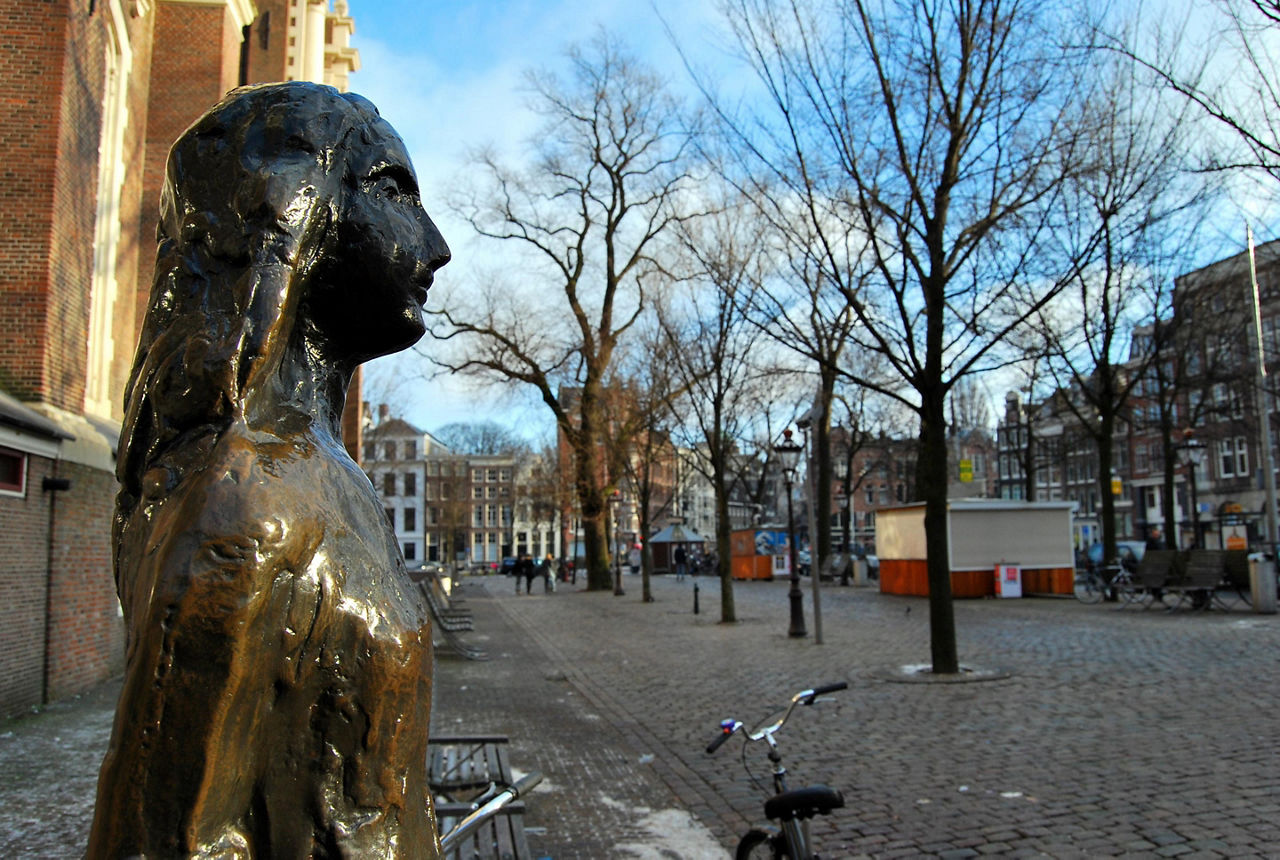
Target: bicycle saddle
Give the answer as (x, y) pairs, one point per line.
(803, 803)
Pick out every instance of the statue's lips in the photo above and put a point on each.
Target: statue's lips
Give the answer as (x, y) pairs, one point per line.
(420, 286)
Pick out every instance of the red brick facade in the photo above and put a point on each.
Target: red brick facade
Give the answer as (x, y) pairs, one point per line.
(69, 68)
(24, 582)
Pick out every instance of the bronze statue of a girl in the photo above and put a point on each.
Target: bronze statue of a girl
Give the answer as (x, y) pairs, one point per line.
(278, 679)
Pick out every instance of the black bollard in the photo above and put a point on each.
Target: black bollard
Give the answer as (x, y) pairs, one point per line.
(695, 598)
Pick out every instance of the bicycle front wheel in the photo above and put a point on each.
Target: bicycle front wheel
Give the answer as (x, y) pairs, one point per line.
(758, 845)
(1088, 588)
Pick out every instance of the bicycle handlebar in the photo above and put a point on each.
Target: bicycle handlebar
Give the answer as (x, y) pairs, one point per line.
(804, 697)
(525, 784)
(727, 728)
(490, 808)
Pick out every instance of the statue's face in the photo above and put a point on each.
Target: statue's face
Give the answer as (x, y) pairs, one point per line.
(367, 291)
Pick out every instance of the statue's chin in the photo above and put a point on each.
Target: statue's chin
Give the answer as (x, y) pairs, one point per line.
(400, 334)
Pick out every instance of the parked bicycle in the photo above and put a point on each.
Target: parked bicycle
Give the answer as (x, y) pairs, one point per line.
(792, 809)
(1095, 581)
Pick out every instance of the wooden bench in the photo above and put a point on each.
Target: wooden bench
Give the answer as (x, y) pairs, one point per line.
(1235, 577)
(443, 605)
(1205, 573)
(448, 621)
(1157, 568)
(460, 768)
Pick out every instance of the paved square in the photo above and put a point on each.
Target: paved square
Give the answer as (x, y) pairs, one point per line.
(1117, 732)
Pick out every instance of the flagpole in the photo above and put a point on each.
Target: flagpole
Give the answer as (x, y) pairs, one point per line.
(1262, 396)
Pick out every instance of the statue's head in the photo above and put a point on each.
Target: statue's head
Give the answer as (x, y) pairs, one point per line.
(289, 217)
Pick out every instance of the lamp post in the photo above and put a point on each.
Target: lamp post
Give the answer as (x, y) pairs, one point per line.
(1191, 455)
(789, 458)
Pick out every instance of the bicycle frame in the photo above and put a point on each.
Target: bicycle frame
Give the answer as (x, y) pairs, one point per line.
(791, 809)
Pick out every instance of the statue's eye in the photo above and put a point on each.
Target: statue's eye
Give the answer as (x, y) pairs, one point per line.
(392, 182)
(387, 187)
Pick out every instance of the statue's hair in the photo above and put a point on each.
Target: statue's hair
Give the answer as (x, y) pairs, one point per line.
(251, 191)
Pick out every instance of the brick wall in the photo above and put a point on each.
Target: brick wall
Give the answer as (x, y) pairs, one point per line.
(23, 578)
(74, 212)
(86, 632)
(195, 59)
(29, 115)
(267, 42)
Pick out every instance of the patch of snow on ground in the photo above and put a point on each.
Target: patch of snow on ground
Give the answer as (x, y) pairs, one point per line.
(671, 833)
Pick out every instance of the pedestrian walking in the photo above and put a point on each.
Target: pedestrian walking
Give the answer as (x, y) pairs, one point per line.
(530, 571)
(682, 563)
(548, 582)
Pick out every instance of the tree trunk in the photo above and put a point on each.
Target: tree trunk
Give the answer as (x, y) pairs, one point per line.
(931, 481)
(1106, 427)
(728, 614)
(646, 560)
(589, 481)
(595, 548)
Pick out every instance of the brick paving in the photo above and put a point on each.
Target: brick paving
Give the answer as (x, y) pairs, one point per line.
(1117, 732)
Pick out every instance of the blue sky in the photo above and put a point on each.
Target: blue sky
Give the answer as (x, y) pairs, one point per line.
(448, 76)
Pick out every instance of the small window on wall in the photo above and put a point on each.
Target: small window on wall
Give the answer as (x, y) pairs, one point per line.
(13, 472)
(410, 551)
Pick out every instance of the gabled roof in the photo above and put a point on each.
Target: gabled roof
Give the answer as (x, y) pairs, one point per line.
(395, 427)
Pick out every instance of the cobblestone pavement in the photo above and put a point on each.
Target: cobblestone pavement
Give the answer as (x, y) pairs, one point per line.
(1117, 732)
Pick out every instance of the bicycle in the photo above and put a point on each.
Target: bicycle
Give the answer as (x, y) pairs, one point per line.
(792, 809)
(483, 808)
(1091, 586)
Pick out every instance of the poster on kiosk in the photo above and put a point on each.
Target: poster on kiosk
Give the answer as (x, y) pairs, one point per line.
(1008, 580)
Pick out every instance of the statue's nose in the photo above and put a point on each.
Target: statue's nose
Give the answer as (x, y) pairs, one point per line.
(435, 250)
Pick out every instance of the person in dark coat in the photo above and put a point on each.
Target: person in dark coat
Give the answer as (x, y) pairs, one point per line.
(529, 571)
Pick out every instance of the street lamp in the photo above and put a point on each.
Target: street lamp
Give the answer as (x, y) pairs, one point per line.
(789, 458)
(1191, 455)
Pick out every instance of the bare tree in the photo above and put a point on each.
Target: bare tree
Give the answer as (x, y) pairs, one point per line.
(710, 347)
(1229, 69)
(479, 438)
(923, 142)
(640, 415)
(1134, 192)
(606, 186)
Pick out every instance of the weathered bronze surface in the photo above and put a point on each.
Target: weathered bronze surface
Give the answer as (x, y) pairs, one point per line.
(278, 679)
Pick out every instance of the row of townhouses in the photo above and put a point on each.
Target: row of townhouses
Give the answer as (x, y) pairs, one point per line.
(1193, 415)
(451, 508)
